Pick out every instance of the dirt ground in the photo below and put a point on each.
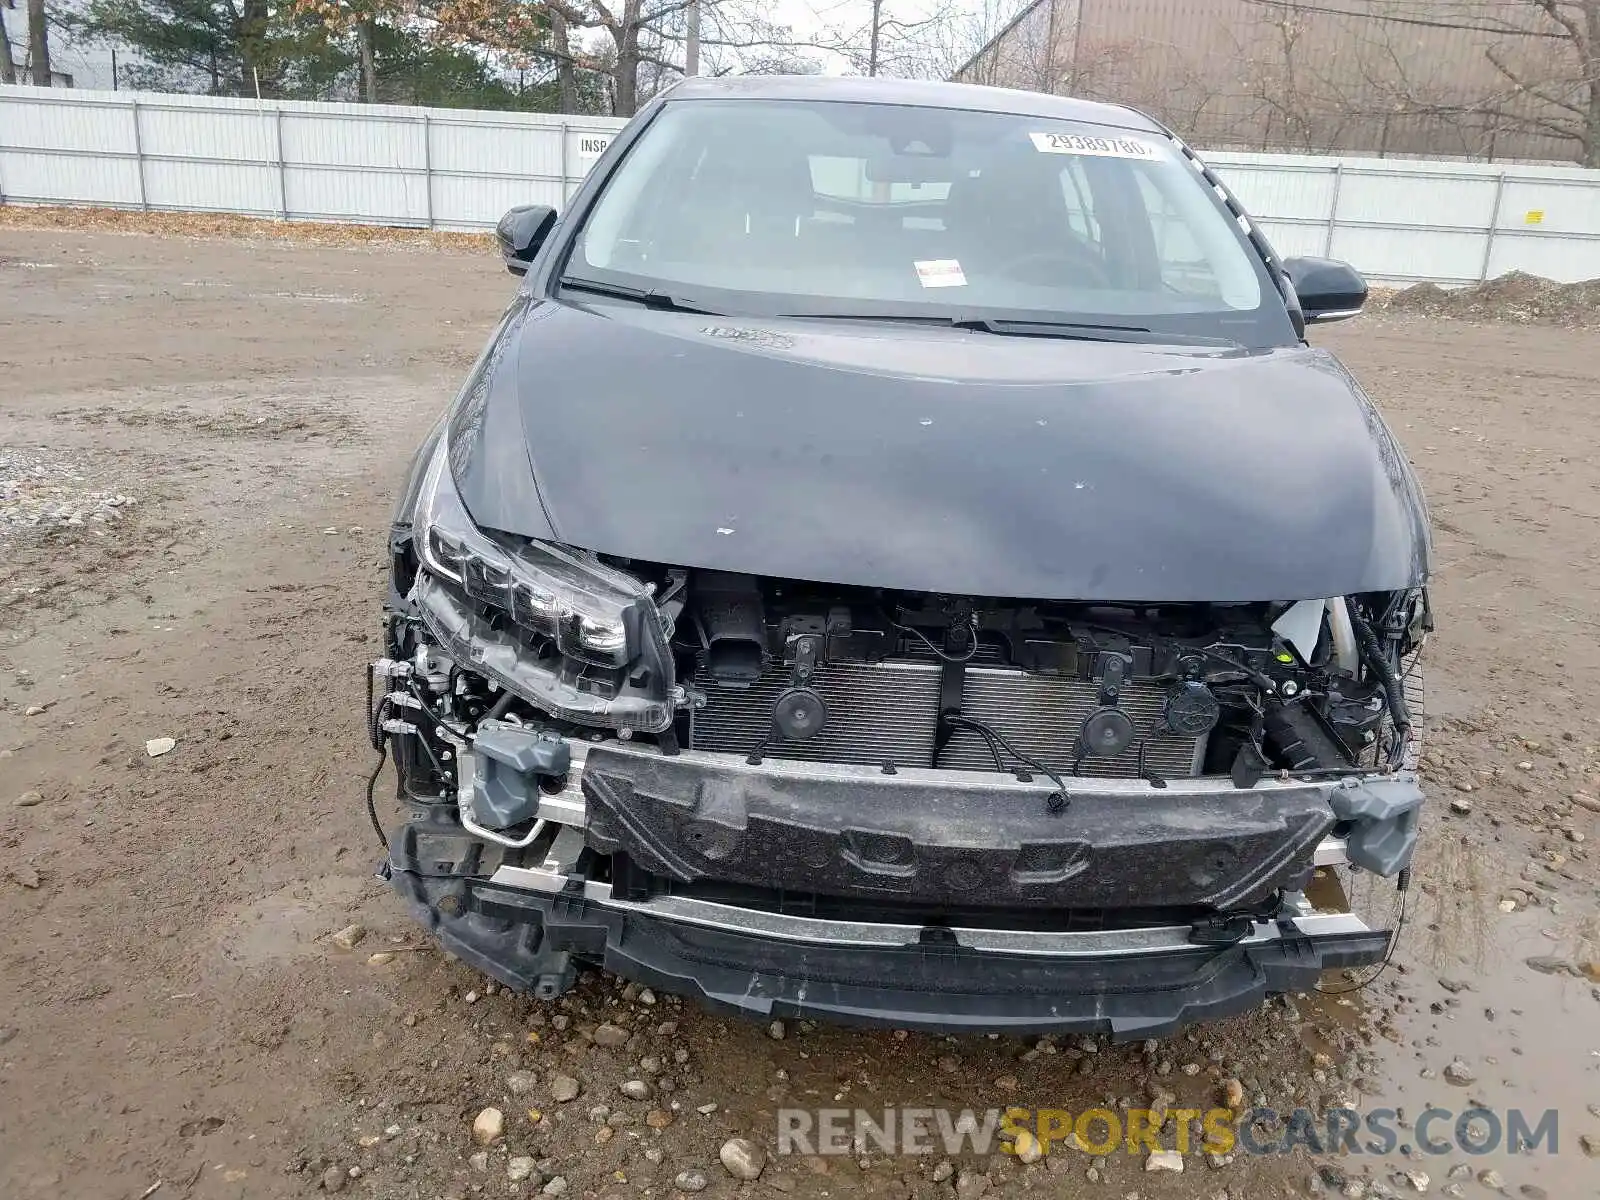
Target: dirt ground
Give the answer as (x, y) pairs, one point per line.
(173, 1012)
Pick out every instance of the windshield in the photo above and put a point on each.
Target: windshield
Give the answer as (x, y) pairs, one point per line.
(768, 207)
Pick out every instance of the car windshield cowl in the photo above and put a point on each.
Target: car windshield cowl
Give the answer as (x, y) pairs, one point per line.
(1208, 331)
(996, 222)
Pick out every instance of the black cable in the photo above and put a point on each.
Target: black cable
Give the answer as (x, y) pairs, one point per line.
(1153, 778)
(1402, 885)
(379, 743)
(438, 721)
(1058, 800)
(928, 642)
(1260, 678)
(994, 749)
(374, 734)
(951, 718)
(372, 807)
(990, 738)
(497, 710)
(433, 758)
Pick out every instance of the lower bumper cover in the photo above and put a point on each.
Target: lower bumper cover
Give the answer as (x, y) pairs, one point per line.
(928, 846)
(526, 928)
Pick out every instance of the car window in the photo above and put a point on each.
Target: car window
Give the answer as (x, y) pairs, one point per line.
(776, 206)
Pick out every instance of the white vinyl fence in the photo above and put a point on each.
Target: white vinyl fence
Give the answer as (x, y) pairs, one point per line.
(1397, 220)
(378, 164)
(1406, 221)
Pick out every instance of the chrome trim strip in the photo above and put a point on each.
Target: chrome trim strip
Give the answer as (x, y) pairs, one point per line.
(1140, 941)
(821, 931)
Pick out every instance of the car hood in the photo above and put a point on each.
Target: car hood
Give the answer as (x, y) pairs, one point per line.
(934, 459)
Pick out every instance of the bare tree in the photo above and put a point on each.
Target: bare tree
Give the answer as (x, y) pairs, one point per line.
(1555, 88)
(886, 39)
(1541, 76)
(1195, 102)
(8, 64)
(905, 46)
(1298, 86)
(39, 42)
(1020, 50)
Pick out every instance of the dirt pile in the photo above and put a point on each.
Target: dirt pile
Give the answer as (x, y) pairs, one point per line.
(1517, 296)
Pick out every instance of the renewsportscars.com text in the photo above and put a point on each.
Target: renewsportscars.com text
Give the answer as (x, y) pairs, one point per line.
(911, 1131)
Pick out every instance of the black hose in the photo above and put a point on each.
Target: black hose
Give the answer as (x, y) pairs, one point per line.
(1393, 689)
(1260, 678)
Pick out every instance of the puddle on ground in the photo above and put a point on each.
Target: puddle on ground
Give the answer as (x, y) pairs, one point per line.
(1461, 988)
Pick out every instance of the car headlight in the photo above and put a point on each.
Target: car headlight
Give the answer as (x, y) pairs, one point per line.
(569, 634)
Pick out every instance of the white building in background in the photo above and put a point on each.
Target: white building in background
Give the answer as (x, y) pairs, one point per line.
(72, 63)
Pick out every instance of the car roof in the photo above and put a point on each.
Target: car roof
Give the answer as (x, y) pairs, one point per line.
(920, 93)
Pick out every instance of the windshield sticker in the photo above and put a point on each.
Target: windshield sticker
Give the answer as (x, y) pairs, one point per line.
(940, 272)
(1081, 143)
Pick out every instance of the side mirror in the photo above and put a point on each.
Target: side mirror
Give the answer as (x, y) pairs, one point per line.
(521, 232)
(1329, 290)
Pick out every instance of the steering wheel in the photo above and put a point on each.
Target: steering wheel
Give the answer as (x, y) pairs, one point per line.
(1077, 260)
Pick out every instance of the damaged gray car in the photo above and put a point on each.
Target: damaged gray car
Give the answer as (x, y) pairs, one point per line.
(897, 561)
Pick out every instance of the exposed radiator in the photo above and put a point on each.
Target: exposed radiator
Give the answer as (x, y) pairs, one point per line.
(888, 712)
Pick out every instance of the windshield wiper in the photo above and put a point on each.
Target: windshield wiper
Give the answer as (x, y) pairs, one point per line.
(645, 296)
(1028, 326)
(1082, 331)
(1042, 324)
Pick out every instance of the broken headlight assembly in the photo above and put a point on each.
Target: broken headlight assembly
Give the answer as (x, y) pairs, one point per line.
(578, 639)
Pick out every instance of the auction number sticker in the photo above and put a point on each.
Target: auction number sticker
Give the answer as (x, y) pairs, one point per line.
(1083, 143)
